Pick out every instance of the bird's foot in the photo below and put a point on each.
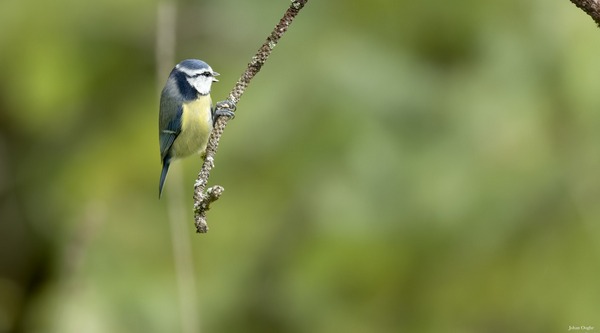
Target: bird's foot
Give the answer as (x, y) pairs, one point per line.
(224, 108)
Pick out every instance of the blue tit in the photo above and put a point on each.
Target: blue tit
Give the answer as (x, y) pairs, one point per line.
(186, 115)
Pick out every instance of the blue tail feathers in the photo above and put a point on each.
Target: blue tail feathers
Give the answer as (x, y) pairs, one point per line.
(163, 176)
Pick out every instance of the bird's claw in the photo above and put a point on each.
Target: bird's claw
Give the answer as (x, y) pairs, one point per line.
(224, 108)
(226, 104)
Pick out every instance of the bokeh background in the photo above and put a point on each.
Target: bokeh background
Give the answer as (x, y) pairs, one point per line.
(397, 166)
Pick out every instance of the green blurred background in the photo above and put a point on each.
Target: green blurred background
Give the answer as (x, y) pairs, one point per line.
(397, 166)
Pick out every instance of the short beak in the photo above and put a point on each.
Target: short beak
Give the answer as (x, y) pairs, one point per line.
(214, 78)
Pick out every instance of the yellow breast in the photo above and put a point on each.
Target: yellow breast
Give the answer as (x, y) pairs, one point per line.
(196, 124)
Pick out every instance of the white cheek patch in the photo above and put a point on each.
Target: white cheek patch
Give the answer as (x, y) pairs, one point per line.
(201, 84)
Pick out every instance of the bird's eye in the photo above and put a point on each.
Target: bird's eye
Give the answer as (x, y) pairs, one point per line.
(205, 74)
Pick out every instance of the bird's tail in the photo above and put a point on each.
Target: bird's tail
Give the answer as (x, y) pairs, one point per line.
(163, 176)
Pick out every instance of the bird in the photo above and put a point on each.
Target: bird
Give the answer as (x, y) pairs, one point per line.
(186, 115)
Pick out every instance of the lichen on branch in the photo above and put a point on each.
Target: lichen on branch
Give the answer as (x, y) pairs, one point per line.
(591, 7)
(202, 198)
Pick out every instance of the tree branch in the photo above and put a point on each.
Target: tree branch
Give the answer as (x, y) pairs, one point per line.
(202, 199)
(591, 7)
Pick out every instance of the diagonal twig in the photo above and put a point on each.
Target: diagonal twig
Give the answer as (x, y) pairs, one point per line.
(202, 199)
(591, 7)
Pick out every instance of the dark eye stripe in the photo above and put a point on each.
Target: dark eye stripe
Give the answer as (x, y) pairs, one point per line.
(206, 74)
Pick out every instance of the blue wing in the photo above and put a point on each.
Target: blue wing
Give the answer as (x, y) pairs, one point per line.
(169, 127)
(169, 124)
